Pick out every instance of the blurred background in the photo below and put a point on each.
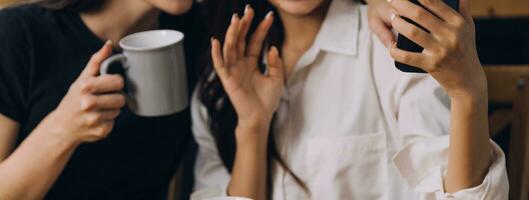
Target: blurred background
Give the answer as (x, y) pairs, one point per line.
(502, 34)
(502, 28)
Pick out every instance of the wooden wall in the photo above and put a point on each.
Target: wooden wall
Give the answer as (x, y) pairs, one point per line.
(5, 2)
(480, 8)
(501, 8)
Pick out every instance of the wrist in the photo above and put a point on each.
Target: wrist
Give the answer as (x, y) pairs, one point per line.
(254, 122)
(59, 140)
(474, 89)
(473, 100)
(51, 129)
(252, 137)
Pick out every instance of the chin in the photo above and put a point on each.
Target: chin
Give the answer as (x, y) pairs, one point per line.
(297, 7)
(173, 7)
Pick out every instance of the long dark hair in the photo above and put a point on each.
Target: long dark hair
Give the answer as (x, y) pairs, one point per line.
(71, 5)
(221, 113)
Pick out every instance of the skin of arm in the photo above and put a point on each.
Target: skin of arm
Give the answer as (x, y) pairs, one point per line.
(249, 169)
(450, 57)
(469, 151)
(85, 114)
(8, 136)
(30, 171)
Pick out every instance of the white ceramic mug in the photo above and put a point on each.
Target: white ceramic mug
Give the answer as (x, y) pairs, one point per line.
(155, 72)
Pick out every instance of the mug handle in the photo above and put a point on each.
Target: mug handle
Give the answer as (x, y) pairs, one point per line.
(109, 61)
(105, 67)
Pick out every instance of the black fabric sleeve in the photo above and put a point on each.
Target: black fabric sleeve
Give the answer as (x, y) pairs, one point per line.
(14, 65)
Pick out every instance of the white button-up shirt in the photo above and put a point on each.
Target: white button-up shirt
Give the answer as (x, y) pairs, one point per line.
(351, 126)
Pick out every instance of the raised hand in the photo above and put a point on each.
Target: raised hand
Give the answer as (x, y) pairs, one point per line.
(88, 110)
(254, 95)
(450, 54)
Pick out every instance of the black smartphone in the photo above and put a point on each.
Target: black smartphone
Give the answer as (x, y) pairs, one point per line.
(408, 45)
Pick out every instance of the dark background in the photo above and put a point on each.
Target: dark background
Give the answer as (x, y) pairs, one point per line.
(503, 40)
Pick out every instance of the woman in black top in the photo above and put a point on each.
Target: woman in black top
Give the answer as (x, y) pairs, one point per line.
(55, 108)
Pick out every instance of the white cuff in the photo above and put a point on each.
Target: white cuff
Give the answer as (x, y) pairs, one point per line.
(423, 166)
(210, 192)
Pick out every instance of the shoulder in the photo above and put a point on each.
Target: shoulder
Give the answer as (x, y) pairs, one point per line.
(13, 30)
(24, 12)
(17, 21)
(27, 16)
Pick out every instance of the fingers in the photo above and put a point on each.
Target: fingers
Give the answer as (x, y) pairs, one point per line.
(102, 102)
(409, 58)
(218, 61)
(100, 127)
(110, 101)
(92, 68)
(230, 41)
(464, 9)
(101, 84)
(417, 14)
(275, 64)
(246, 22)
(103, 130)
(98, 118)
(383, 32)
(414, 33)
(442, 10)
(256, 42)
(109, 115)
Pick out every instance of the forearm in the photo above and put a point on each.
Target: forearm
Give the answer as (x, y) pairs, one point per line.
(469, 151)
(250, 167)
(34, 166)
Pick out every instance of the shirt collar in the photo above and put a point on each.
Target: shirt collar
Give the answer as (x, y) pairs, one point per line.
(340, 29)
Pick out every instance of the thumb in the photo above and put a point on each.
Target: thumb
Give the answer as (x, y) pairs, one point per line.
(465, 10)
(275, 64)
(92, 68)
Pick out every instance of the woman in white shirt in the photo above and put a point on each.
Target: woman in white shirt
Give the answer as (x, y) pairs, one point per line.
(334, 119)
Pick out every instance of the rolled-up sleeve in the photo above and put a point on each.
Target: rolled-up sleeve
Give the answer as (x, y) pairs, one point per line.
(423, 120)
(211, 176)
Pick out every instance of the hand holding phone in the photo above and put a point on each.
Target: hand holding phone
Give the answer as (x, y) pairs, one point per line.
(449, 55)
(406, 44)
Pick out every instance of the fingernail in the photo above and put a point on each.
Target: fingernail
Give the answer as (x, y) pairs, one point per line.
(108, 42)
(389, 1)
(275, 50)
(246, 8)
(392, 16)
(269, 14)
(272, 49)
(234, 18)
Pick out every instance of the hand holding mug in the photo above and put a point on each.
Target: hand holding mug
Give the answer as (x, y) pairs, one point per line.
(87, 112)
(154, 68)
(449, 54)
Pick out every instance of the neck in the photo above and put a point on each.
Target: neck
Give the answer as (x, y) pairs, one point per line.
(119, 18)
(301, 31)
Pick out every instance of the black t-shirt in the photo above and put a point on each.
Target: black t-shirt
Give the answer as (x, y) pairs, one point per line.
(41, 53)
